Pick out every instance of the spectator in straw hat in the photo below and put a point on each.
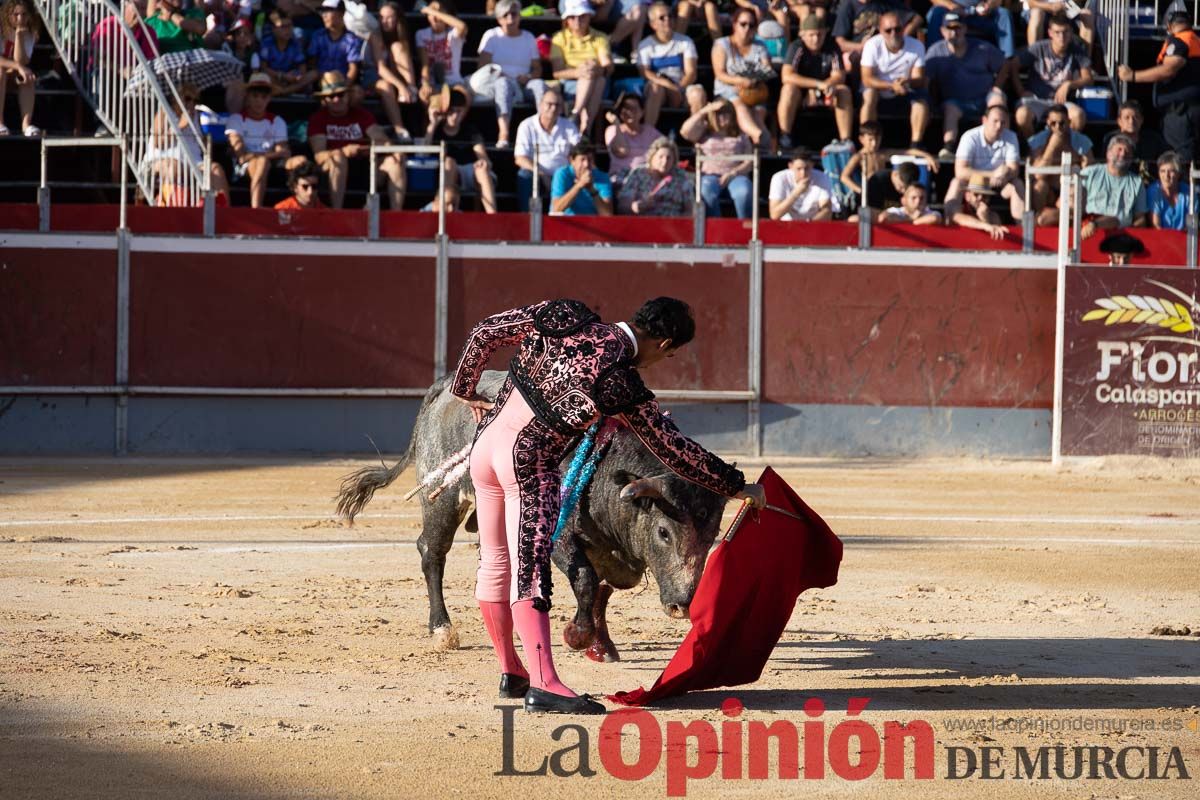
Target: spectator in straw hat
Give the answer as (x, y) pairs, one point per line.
(340, 135)
(258, 139)
(974, 209)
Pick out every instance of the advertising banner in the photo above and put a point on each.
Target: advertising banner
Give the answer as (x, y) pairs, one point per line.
(1130, 363)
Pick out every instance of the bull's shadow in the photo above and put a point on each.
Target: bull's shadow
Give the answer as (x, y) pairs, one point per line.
(869, 666)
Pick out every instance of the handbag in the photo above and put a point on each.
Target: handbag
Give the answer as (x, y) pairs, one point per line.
(755, 95)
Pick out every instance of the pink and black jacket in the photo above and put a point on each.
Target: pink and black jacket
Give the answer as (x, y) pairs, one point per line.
(572, 369)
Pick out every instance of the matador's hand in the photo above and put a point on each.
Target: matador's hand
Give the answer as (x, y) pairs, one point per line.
(479, 406)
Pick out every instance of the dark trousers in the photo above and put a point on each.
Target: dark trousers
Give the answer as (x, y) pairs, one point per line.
(1180, 127)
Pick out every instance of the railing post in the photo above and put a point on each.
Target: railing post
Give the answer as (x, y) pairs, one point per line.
(43, 196)
(372, 197)
(1072, 174)
(754, 207)
(754, 354)
(121, 371)
(1064, 256)
(864, 217)
(1028, 218)
(442, 188)
(698, 211)
(535, 198)
(1193, 216)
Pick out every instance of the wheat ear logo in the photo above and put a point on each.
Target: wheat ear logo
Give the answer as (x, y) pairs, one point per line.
(1160, 312)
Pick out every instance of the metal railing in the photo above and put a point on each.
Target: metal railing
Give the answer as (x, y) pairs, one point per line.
(1112, 26)
(698, 208)
(1193, 226)
(1064, 171)
(49, 143)
(100, 52)
(401, 149)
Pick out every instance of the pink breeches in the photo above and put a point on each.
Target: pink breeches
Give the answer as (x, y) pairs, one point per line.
(498, 501)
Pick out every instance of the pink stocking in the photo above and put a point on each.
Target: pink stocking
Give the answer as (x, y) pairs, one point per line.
(533, 627)
(497, 617)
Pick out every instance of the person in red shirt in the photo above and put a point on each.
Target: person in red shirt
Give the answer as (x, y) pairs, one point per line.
(303, 181)
(338, 134)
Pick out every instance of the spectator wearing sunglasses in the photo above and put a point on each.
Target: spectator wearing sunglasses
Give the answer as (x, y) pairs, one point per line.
(303, 180)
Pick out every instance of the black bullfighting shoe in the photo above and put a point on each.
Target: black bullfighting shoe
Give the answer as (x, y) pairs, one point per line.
(513, 687)
(539, 701)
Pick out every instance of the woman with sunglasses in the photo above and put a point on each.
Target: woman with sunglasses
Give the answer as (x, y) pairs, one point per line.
(741, 69)
(510, 68)
(167, 153)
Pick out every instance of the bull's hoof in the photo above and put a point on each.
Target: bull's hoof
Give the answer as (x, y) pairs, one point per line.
(578, 638)
(603, 652)
(445, 638)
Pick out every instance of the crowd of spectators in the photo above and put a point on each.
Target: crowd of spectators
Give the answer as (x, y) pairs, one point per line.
(760, 68)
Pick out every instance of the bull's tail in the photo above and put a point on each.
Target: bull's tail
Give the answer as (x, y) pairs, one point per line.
(360, 486)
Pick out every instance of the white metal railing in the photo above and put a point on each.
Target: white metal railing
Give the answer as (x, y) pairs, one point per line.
(164, 147)
(49, 143)
(378, 150)
(698, 216)
(1193, 218)
(1112, 24)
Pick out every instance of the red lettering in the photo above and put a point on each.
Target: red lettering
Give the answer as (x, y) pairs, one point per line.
(649, 744)
(679, 770)
(894, 735)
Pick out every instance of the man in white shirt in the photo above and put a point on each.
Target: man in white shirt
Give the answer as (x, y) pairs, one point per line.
(552, 136)
(258, 139)
(989, 153)
(913, 208)
(893, 76)
(667, 61)
(514, 53)
(797, 194)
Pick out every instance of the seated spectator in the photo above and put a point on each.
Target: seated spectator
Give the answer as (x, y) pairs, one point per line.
(687, 9)
(440, 48)
(628, 137)
(965, 76)
(1113, 195)
(282, 56)
(388, 67)
(1148, 143)
(659, 188)
(858, 20)
(547, 135)
(628, 21)
(468, 168)
(988, 20)
(813, 78)
(1177, 85)
(340, 135)
(741, 71)
(580, 57)
(242, 45)
(714, 130)
(258, 139)
(1036, 12)
(989, 152)
(1056, 69)
(334, 48)
(303, 181)
(1167, 200)
(875, 164)
(516, 68)
(1046, 149)
(20, 28)
(914, 208)
(794, 195)
(804, 9)
(974, 210)
(667, 61)
(579, 189)
(893, 77)
(175, 143)
(175, 29)
(305, 14)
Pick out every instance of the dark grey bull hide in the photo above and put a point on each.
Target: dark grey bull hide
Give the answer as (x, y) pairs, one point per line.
(666, 525)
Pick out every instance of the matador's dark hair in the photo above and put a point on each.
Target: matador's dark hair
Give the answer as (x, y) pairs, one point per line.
(666, 318)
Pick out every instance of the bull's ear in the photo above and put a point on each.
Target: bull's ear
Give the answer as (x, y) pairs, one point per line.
(648, 488)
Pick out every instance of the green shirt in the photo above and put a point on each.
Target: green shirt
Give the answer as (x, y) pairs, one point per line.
(171, 38)
(1123, 197)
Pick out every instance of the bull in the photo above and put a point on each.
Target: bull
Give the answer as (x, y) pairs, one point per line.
(634, 517)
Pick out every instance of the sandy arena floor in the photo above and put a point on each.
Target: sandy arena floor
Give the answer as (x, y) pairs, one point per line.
(205, 629)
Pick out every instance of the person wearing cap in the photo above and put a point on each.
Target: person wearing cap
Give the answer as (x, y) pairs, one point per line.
(468, 168)
(334, 48)
(990, 152)
(1113, 195)
(1057, 68)
(795, 194)
(282, 56)
(547, 137)
(913, 209)
(965, 77)
(175, 29)
(440, 49)
(258, 139)
(515, 65)
(579, 188)
(241, 44)
(667, 61)
(974, 209)
(893, 76)
(986, 19)
(1046, 149)
(1177, 79)
(813, 78)
(1121, 248)
(303, 180)
(581, 59)
(340, 135)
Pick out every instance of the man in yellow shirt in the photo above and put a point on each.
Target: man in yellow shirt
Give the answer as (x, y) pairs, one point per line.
(582, 60)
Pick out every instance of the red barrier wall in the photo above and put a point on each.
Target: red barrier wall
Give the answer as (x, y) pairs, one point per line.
(290, 321)
(57, 317)
(916, 336)
(614, 290)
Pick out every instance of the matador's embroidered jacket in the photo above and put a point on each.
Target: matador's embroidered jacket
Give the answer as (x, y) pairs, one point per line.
(571, 369)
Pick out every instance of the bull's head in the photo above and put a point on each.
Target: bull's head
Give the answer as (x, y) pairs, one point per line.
(671, 526)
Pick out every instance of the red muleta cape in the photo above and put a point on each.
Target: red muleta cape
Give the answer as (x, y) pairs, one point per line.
(746, 595)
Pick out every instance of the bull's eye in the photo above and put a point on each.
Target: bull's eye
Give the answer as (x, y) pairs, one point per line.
(702, 513)
(663, 535)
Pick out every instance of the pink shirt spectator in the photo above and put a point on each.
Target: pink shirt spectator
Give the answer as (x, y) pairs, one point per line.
(107, 38)
(714, 145)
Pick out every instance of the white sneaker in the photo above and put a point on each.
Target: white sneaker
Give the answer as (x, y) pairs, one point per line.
(32, 131)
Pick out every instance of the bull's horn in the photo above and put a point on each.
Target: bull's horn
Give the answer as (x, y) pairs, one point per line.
(642, 487)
